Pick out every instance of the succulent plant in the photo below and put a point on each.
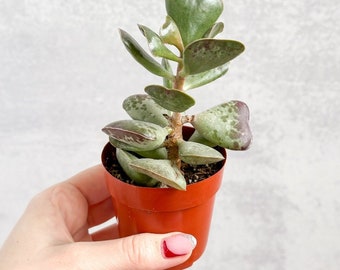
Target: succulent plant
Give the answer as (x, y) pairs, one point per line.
(150, 146)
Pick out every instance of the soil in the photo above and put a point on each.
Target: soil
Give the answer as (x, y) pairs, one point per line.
(192, 173)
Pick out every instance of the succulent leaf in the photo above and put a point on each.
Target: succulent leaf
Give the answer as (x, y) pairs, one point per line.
(156, 45)
(199, 79)
(170, 99)
(144, 108)
(125, 158)
(166, 82)
(196, 154)
(214, 30)
(226, 125)
(122, 145)
(142, 57)
(140, 135)
(159, 153)
(170, 34)
(206, 54)
(198, 138)
(194, 17)
(162, 170)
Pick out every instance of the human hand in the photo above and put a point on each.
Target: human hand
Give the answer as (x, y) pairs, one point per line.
(53, 233)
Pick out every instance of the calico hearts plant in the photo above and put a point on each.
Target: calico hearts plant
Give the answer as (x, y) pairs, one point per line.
(150, 147)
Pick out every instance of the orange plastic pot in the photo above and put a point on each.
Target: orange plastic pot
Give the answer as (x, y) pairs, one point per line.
(163, 210)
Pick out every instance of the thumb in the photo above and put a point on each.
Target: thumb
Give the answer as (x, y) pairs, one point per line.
(141, 251)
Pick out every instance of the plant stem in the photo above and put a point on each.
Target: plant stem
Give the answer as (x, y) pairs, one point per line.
(176, 124)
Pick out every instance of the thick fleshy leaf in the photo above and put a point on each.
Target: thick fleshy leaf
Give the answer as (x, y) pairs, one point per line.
(124, 146)
(198, 138)
(142, 135)
(159, 153)
(161, 170)
(227, 125)
(170, 99)
(194, 17)
(142, 57)
(199, 79)
(169, 33)
(197, 154)
(156, 45)
(214, 30)
(125, 158)
(206, 54)
(167, 82)
(144, 108)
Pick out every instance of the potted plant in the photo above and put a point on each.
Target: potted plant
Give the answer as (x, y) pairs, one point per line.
(164, 166)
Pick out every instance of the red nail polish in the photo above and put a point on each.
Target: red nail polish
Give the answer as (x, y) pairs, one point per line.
(178, 245)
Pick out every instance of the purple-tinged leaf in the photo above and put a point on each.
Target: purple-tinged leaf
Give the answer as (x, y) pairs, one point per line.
(227, 125)
(205, 54)
(142, 135)
(161, 170)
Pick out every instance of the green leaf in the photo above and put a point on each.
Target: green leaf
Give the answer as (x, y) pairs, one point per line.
(170, 99)
(197, 154)
(227, 125)
(156, 45)
(159, 153)
(194, 17)
(199, 79)
(166, 82)
(214, 30)
(141, 135)
(206, 54)
(169, 33)
(161, 170)
(198, 138)
(144, 108)
(142, 57)
(125, 158)
(122, 145)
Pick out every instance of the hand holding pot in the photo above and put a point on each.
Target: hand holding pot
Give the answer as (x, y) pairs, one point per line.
(53, 233)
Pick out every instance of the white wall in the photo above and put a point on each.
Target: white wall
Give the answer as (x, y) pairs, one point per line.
(64, 73)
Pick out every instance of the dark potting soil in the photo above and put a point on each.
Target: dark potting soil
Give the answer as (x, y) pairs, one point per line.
(192, 173)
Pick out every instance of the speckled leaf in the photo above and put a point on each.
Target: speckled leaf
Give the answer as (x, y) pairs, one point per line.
(144, 108)
(198, 138)
(227, 125)
(199, 79)
(194, 17)
(122, 145)
(196, 153)
(156, 45)
(169, 33)
(142, 135)
(125, 158)
(214, 30)
(161, 170)
(206, 54)
(142, 57)
(170, 99)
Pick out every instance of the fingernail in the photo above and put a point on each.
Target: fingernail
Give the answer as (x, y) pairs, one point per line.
(178, 245)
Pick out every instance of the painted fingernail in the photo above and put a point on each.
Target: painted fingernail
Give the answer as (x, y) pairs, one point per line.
(178, 245)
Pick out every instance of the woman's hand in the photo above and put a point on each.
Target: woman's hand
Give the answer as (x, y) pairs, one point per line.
(53, 233)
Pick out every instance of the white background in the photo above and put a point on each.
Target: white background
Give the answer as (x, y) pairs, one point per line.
(64, 73)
